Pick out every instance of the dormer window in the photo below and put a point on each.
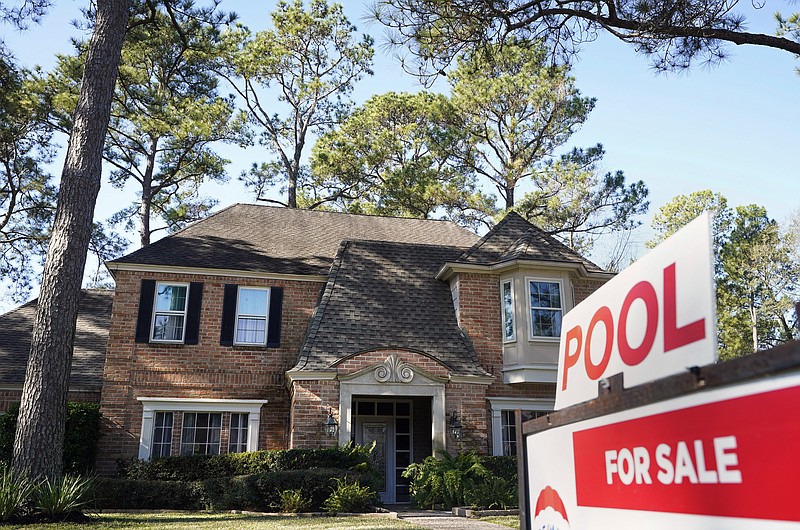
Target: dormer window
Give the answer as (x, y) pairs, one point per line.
(547, 307)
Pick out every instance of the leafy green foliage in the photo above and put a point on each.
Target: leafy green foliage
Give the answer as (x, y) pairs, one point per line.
(673, 35)
(350, 497)
(15, 493)
(80, 439)
(493, 493)
(445, 480)
(518, 110)
(295, 80)
(757, 270)
(200, 467)
(165, 116)
(62, 497)
(260, 492)
(27, 194)
(293, 501)
(394, 156)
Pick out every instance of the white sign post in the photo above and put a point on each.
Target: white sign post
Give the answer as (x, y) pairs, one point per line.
(654, 319)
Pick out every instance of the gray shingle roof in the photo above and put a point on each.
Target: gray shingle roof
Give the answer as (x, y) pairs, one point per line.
(383, 295)
(269, 239)
(515, 238)
(91, 337)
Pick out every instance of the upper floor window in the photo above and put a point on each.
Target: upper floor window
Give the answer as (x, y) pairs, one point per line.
(507, 292)
(251, 315)
(169, 316)
(547, 307)
(454, 292)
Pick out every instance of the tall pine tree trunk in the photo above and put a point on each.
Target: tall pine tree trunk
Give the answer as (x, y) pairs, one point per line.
(40, 428)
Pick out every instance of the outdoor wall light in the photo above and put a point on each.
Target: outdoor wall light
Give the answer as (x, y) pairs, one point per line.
(456, 429)
(330, 424)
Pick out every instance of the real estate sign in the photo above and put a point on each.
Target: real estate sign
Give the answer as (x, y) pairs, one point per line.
(656, 318)
(722, 458)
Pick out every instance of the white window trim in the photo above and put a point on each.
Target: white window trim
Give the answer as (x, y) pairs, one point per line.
(152, 405)
(266, 317)
(156, 312)
(513, 337)
(529, 316)
(499, 404)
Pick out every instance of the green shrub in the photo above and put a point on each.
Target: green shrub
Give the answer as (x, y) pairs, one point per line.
(493, 492)
(501, 466)
(15, 493)
(444, 481)
(293, 501)
(65, 496)
(258, 492)
(200, 467)
(80, 439)
(350, 497)
(147, 494)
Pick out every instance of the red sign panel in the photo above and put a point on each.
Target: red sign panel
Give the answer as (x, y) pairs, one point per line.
(734, 458)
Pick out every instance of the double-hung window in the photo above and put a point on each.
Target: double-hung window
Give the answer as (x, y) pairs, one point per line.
(252, 310)
(547, 308)
(169, 315)
(507, 293)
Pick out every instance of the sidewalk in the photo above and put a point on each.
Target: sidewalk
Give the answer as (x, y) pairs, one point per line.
(440, 520)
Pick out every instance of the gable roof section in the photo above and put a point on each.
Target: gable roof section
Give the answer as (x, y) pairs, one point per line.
(91, 338)
(514, 238)
(258, 238)
(383, 295)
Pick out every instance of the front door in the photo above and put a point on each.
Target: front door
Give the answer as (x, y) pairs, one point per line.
(388, 425)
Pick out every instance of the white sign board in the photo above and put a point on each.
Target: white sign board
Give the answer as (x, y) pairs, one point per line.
(723, 459)
(656, 318)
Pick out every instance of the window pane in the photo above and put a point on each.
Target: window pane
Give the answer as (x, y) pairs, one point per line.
(508, 312)
(168, 327)
(545, 294)
(252, 330)
(237, 437)
(201, 433)
(253, 301)
(171, 298)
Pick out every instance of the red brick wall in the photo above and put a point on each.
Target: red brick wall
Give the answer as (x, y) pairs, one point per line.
(365, 360)
(583, 288)
(311, 401)
(205, 370)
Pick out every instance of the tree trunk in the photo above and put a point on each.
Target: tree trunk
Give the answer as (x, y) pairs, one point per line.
(146, 207)
(509, 192)
(754, 322)
(38, 444)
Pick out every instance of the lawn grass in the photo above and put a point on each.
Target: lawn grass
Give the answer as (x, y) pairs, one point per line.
(511, 521)
(224, 521)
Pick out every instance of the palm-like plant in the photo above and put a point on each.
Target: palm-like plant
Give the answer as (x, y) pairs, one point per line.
(444, 480)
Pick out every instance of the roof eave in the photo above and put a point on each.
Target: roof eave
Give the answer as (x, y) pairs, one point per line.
(114, 266)
(449, 269)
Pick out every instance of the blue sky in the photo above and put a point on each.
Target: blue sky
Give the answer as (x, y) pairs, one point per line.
(732, 128)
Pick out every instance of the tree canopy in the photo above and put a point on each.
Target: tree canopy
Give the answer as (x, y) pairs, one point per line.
(757, 269)
(309, 63)
(165, 116)
(673, 34)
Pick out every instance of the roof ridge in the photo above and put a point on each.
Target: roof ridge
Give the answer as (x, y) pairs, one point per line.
(350, 213)
(467, 253)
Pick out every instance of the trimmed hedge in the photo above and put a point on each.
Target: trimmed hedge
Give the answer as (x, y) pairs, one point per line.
(259, 492)
(80, 439)
(501, 466)
(201, 467)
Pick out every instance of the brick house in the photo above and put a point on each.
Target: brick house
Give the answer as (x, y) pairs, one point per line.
(252, 328)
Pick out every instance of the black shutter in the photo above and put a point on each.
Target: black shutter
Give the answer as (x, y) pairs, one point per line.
(228, 314)
(146, 298)
(192, 333)
(274, 323)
